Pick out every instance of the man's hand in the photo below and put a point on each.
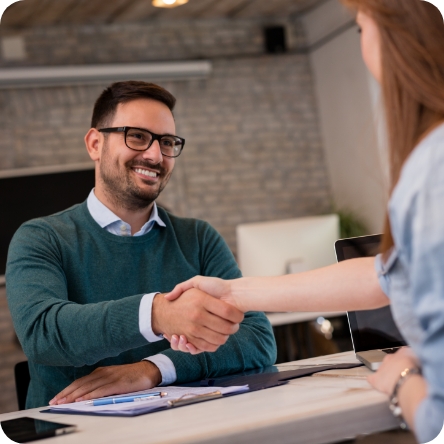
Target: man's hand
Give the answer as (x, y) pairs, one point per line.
(112, 380)
(206, 322)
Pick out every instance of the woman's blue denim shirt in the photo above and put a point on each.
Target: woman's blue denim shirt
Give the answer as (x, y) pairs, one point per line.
(413, 275)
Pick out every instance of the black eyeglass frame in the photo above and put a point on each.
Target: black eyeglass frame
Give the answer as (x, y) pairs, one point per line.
(158, 137)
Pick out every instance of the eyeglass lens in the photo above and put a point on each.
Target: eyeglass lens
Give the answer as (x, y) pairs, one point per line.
(140, 140)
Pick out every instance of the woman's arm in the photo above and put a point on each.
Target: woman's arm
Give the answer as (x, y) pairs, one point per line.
(346, 286)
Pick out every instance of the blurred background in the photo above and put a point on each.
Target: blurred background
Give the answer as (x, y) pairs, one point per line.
(280, 117)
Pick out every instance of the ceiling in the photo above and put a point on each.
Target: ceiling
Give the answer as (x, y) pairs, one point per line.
(28, 13)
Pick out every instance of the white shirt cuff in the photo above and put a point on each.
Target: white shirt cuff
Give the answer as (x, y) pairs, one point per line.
(166, 367)
(145, 325)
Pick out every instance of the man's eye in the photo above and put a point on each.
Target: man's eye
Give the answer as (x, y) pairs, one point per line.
(136, 135)
(167, 142)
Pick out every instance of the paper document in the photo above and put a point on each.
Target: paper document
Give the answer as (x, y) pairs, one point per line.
(145, 406)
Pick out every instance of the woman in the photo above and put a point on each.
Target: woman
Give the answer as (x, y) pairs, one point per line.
(402, 44)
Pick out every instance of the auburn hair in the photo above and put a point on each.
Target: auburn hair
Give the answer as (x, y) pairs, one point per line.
(412, 82)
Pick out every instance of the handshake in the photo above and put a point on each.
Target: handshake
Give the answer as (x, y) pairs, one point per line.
(198, 316)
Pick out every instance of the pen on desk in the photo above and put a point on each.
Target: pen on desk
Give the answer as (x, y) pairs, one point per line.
(190, 398)
(121, 399)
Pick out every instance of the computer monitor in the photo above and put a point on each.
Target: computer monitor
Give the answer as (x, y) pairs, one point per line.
(29, 193)
(287, 246)
(370, 329)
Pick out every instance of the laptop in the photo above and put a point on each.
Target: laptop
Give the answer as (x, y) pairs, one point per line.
(373, 332)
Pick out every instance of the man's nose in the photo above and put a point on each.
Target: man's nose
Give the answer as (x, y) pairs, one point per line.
(153, 153)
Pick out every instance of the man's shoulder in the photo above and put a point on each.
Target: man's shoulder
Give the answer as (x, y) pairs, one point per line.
(189, 231)
(183, 223)
(65, 219)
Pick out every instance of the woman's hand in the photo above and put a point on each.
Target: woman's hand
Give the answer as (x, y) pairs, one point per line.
(180, 343)
(411, 393)
(388, 374)
(215, 287)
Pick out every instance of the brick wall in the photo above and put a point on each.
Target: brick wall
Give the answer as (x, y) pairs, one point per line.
(138, 42)
(253, 149)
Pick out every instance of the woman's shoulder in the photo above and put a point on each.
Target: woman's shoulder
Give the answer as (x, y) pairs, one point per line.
(424, 166)
(428, 154)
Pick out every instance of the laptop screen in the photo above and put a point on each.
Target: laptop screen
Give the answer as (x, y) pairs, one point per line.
(370, 329)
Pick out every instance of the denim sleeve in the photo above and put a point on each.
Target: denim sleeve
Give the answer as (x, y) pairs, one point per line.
(381, 271)
(424, 224)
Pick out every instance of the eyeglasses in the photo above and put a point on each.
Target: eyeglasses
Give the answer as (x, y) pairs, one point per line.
(139, 139)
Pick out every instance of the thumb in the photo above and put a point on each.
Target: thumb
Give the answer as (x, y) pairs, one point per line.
(179, 289)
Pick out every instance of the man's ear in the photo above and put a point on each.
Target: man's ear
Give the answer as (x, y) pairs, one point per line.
(94, 143)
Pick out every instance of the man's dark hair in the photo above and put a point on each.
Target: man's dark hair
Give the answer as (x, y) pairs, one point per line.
(123, 92)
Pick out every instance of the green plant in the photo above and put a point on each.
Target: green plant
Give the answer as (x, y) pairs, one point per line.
(350, 224)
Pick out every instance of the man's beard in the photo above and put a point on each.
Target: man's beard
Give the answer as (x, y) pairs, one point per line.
(122, 190)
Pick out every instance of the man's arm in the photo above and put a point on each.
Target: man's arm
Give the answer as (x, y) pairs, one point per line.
(202, 310)
(56, 331)
(52, 329)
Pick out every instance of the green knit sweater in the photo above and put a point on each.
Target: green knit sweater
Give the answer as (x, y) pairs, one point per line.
(74, 292)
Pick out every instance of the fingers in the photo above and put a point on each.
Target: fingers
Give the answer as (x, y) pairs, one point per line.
(220, 325)
(224, 310)
(181, 344)
(112, 380)
(212, 327)
(70, 393)
(192, 349)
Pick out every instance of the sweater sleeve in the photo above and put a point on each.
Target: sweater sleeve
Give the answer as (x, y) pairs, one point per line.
(52, 329)
(251, 347)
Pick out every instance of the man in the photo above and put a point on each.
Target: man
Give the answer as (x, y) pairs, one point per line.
(84, 286)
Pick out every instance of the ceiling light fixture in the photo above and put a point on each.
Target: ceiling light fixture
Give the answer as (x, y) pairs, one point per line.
(168, 3)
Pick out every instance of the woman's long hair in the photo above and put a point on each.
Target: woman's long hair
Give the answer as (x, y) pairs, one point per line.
(412, 56)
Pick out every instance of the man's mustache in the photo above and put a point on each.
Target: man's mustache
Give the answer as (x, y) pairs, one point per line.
(149, 165)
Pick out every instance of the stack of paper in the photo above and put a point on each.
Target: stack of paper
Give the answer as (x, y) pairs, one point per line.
(140, 407)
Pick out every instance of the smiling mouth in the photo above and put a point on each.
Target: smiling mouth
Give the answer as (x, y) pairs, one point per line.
(146, 173)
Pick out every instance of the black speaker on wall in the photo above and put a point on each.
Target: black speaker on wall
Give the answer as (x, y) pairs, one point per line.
(275, 41)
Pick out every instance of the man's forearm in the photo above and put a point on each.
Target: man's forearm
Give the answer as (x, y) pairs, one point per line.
(68, 334)
(349, 285)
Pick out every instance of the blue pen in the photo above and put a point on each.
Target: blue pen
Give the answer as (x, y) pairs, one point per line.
(121, 399)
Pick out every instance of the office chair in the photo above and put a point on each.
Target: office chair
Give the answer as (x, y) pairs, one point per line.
(22, 379)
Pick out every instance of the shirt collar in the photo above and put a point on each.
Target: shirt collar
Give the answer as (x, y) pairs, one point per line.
(104, 216)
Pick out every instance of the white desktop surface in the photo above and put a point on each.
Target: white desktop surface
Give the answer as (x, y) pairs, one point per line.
(277, 319)
(317, 409)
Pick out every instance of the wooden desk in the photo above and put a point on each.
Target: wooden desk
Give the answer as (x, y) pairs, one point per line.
(317, 409)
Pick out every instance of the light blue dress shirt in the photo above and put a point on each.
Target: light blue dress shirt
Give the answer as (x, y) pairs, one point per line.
(114, 225)
(413, 275)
